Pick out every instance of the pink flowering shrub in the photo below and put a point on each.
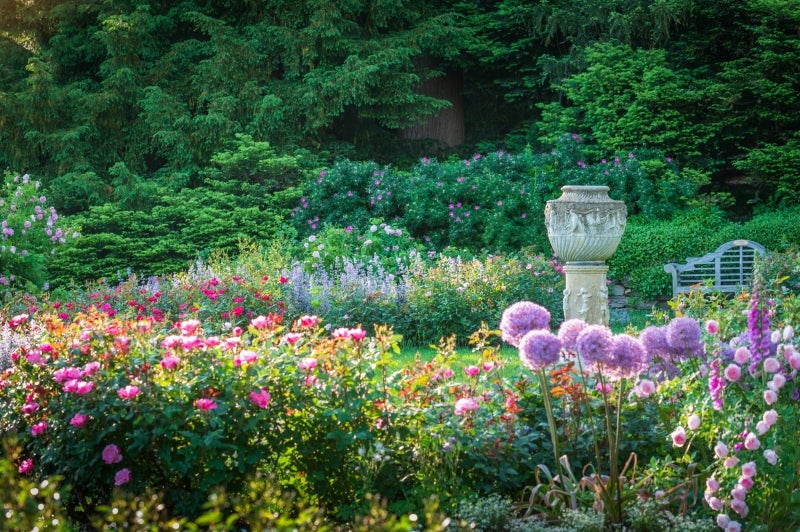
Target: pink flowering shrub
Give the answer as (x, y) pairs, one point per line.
(739, 421)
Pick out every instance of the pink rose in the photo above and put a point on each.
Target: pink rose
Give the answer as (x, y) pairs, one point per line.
(770, 417)
(771, 457)
(38, 428)
(260, 398)
(740, 507)
(731, 462)
(745, 482)
(693, 422)
(712, 485)
(771, 365)
(751, 442)
(26, 466)
(762, 427)
(714, 503)
(260, 322)
(466, 404)
(308, 321)
(170, 362)
(245, 357)
(770, 396)
(733, 372)
(128, 392)
(123, 476)
(205, 404)
(307, 364)
(78, 420)
(741, 355)
(472, 371)
(188, 327)
(712, 327)
(291, 338)
(777, 382)
(678, 437)
(645, 388)
(721, 450)
(111, 454)
(358, 334)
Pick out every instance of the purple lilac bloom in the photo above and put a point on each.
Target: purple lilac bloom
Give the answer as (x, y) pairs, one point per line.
(684, 338)
(594, 344)
(628, 358)
(568, 333)
(521, 317)
(539, 348)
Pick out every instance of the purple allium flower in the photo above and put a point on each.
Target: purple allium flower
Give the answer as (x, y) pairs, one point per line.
(629, 357)
(521, 317)
(539, 348)
(594, 345)
(568, 333)
(684, 338)
(655, 341)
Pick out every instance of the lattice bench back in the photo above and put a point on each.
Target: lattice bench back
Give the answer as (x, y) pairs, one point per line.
(728, 269)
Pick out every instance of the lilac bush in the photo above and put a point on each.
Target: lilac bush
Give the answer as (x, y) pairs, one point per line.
(30, 231)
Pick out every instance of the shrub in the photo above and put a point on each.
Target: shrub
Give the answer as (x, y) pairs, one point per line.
(31, 232)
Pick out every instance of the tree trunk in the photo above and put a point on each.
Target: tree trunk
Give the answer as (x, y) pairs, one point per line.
(448, 126)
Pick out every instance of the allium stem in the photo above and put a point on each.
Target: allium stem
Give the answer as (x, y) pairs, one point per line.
(551, 422)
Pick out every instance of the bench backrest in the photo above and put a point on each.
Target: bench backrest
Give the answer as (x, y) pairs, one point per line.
(727, 269)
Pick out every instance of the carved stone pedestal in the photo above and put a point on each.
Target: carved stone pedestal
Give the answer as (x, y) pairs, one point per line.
(584, 227)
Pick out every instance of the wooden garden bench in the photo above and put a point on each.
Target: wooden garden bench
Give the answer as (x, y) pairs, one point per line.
(727, 269)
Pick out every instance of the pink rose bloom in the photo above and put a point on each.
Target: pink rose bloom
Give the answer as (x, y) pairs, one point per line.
(67, 374)
(731, 462)
(341, 332)
(123, 476)
(128, 392)
(645, 388)
(30, 407)
(205, 404)
(38, 428)
(770, 417)
(738, 492)
(78, 420)
(721, 450)
(189, 326)
(260, 398)
(733, 372)
(466, 404)
(90, 369)
(308, 321)
(733, 526)
(714, 503)
(712, 485)
(171, 341)
(751, 442)
(245, 357)
(712, 327)
(170, 362)
(678, 437)
(777, 382)
(358, 334)
(771, 365)
(771, 457)
(260, 322)
(488, 366)
(213, 341)
(291, 338)
(770, 396)
(26, 466)
(723, 520)
(762, 427)
(794, 360)
(741, 355)
(740, 507)
(191, 342)
(307, 364)
(745, 482)
(693, 422)
(111, 454)
(472, 371)
(83, 387)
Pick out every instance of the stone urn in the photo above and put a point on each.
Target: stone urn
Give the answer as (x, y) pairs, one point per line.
(584, 227)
